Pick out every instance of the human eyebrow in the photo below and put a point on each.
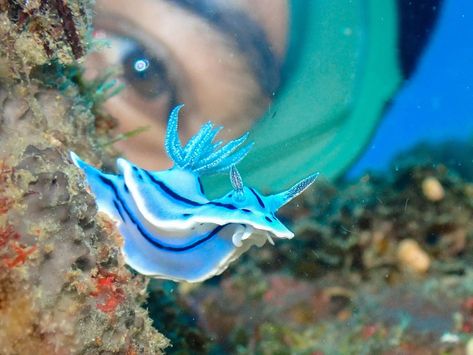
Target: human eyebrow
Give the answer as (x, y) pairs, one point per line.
(248, 36)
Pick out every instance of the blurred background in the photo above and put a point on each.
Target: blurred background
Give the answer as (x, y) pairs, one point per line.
(322, 86)
(436, 103)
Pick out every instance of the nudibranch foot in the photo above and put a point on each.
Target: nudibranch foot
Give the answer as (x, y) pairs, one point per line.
(171, 230)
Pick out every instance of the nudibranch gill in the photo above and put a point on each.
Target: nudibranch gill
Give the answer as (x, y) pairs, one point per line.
(171, 230)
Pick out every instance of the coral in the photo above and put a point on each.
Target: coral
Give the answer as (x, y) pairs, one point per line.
(64, 287)
(62, 257)
(36, 32)
(358, 226)
(335, 314)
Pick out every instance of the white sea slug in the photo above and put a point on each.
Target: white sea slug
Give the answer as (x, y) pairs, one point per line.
(171, 230)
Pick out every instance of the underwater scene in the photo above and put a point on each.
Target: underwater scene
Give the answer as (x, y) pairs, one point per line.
(236, 177)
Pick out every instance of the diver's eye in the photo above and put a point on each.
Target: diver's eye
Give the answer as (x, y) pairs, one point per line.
(144, 72)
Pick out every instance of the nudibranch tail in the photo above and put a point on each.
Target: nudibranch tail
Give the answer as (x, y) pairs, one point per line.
(200, 155)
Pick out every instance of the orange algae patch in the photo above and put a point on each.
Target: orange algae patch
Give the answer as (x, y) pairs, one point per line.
(9, 239)
(131, 351)
(108, 292)
(21, 256)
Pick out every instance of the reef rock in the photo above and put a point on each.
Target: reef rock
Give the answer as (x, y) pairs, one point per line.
(64, 288)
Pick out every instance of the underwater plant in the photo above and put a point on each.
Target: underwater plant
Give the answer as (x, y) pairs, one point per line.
(171, 229)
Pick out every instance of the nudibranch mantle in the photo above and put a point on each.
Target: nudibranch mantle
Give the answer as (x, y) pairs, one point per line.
(171, 230)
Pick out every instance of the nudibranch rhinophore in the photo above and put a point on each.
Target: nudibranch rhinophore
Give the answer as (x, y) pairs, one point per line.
(170, 229)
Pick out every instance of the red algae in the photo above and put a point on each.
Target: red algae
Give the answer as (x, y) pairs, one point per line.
(22, 253)
(108, 292)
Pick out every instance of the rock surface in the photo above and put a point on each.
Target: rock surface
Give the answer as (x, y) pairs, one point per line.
(64, 287)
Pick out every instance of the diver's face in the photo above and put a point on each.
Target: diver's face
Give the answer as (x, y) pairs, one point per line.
(221, 58)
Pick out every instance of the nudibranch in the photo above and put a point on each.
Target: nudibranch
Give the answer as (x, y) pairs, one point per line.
(171, 230)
